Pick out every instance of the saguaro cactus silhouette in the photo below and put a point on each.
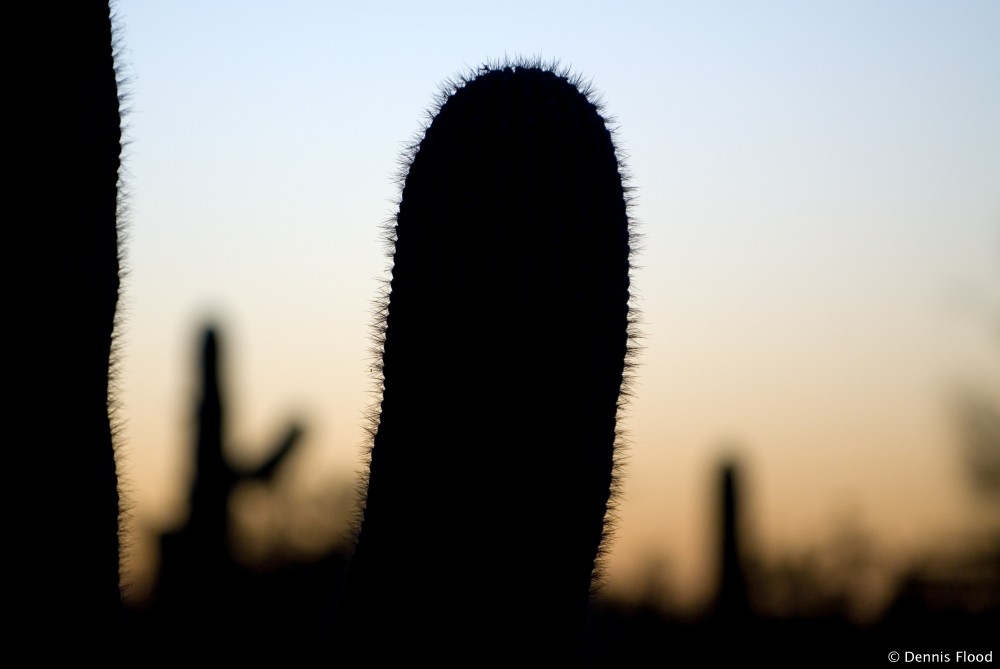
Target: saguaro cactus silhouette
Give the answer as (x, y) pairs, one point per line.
(64, 162)
(732, 605)
(200, 577)
(506, 338)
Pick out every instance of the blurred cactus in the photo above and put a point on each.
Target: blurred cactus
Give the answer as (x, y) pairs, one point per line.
(504, 340)
(61, 315)
(732, 605)
(980, 424)
(199, 573)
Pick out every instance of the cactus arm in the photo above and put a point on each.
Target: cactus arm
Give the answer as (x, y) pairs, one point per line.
(283, 448)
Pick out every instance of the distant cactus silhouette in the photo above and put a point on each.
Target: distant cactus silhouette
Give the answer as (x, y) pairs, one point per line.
(199, 572)
(506, 343)
(206, 588)
(732, 604)
(64, 170)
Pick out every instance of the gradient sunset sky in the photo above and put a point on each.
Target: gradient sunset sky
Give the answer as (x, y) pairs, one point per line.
(818, 190)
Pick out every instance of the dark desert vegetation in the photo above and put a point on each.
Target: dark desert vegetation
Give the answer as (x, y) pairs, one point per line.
(504, 340)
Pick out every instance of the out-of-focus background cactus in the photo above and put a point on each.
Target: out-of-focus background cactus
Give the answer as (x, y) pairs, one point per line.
(208, 582)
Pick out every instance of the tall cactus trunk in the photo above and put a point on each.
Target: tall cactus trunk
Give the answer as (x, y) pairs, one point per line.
(89, 234)
(505, 344)
(732, 604)
(66, 175)
(208, 525)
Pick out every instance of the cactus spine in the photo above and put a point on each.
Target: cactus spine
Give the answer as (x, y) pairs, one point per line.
(506, 341)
